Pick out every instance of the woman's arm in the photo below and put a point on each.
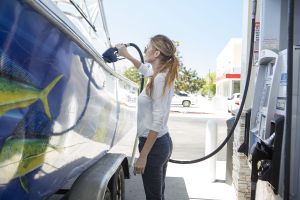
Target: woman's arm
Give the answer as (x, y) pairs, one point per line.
(144, 69)
(140, 164)
(122, 51)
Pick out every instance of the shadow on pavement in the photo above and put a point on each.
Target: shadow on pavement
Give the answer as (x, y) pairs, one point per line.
(175, 188)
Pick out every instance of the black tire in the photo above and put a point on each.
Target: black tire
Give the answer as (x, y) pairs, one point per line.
(118, 185)
(186, 103)
(107, 195)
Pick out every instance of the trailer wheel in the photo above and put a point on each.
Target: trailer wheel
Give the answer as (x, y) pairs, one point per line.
(107, 195)
(186, 103)
(118, 187)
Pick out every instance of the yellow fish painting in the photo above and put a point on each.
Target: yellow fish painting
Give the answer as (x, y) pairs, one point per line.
(20, 156)
(15, 94)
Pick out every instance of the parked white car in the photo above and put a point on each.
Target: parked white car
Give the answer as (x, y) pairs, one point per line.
(233, 102)
(184, 99)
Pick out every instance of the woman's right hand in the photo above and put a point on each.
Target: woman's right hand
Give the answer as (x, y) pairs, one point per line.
(122, 50)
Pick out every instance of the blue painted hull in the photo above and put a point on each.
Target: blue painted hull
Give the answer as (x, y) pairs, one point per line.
(59, 107)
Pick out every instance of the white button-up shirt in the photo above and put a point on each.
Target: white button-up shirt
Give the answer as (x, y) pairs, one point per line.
(153, 112)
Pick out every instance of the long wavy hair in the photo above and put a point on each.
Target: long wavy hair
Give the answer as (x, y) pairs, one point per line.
(169, 60)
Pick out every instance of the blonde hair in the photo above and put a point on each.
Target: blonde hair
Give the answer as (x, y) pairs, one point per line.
(169, 60)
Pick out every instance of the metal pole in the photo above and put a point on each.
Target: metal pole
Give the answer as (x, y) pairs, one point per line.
(229, 153)
(210, 145)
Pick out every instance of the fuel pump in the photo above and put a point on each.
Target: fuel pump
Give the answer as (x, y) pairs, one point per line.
(267, 119)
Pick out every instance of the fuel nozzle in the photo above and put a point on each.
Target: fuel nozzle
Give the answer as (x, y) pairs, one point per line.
(260, 152)
(111, 54)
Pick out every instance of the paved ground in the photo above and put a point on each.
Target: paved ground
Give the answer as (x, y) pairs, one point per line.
(188, 182)
(188, 133)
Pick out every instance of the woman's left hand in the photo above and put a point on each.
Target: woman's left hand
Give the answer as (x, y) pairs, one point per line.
(139, 166)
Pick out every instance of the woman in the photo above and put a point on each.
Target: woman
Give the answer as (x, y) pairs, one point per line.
(155, 144)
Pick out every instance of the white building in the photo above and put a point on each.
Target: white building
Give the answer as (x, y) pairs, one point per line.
(228, 71)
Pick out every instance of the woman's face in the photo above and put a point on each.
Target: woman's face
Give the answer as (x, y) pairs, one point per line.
(151, 53)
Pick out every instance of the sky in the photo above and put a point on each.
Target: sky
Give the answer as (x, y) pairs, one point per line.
(203, 27)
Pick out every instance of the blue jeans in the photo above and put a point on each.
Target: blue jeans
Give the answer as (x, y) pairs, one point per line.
(156, 167)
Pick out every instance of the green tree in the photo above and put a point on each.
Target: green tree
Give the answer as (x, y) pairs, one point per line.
(132, 74)
(209, 87)
(188, 81)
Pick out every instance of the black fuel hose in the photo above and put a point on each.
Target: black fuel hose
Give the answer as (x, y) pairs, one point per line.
(142, 79)
(243, 98)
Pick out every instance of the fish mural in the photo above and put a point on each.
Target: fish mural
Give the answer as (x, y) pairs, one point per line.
(14, 94)
(20, 156)
(21, 153)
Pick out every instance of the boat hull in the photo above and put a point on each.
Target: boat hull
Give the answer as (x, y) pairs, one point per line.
(60, 109)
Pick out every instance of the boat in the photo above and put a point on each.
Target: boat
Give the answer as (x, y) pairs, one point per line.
(62, 108)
